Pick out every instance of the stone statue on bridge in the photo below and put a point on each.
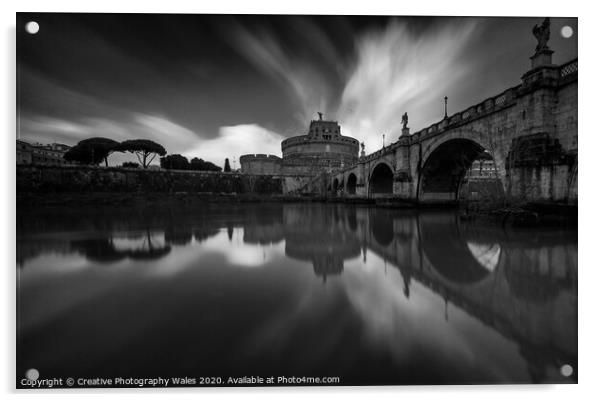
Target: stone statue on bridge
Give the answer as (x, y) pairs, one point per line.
(405, 130)
(542, 34)
(404, 120)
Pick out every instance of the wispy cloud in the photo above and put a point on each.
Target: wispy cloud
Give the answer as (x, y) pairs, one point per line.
(396, 72)
(307, 86)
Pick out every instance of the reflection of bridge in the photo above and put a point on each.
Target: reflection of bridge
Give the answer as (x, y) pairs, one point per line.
(530, 130)
(523, 286)
(525, 289)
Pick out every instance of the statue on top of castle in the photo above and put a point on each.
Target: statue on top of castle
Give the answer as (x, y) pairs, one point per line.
(320, 115)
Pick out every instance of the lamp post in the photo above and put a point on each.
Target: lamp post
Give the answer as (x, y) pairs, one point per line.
(445, 99)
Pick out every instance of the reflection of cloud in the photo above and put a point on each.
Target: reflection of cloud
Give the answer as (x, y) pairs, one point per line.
(488, 255)
(417, 325)
(389, 317)
(240, 253)
(52, 264)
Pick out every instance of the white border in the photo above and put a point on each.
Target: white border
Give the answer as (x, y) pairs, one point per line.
(590, 278)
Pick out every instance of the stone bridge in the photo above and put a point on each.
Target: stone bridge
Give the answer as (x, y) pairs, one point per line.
(530, 132)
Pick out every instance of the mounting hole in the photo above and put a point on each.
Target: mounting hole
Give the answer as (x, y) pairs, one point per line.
(566, 31)
(32, 374)
(32, 27)
(566, 370)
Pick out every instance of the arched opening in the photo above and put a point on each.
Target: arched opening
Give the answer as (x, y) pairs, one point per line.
(381, 181)
(351, 183)
(335, 186)
(444, 171)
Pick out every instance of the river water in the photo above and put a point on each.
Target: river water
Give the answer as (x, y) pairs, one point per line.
(372, 296)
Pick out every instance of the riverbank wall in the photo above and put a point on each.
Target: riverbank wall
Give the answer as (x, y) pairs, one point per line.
(32, 179)
(89, 185)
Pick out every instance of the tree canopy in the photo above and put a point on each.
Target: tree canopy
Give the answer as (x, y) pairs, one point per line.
(175, 161)
(199, 164)
(92, 151)
(145, 150)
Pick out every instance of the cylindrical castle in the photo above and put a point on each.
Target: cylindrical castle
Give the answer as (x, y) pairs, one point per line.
(322, 148)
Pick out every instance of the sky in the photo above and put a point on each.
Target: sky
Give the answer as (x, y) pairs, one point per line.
(219, 86)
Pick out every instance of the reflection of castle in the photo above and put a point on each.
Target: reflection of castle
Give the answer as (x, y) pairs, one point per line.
(322, 148)
(315, 233)
(319, 234)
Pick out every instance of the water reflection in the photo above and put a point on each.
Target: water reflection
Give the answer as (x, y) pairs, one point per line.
(321, 236)
(372, 295)
(137, 246)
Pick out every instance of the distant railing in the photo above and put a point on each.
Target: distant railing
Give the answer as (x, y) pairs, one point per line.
(568, 68)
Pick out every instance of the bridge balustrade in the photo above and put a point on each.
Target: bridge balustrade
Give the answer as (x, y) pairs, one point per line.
(500, 100)
(568, 68)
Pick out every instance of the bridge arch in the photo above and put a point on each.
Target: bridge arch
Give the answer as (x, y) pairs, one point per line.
(335, 185)
(381, 179)
(351, 185)
(445, 165)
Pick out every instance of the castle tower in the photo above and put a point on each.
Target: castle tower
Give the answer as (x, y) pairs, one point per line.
(321, 149)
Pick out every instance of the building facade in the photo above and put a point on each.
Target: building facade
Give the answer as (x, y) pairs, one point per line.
(41, 154)
(24, 153)
(482, 168)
